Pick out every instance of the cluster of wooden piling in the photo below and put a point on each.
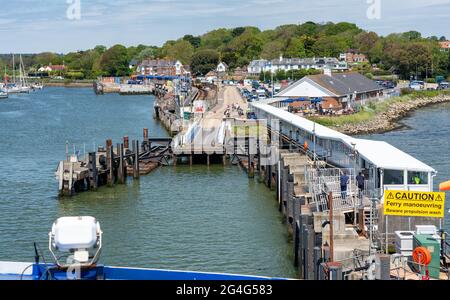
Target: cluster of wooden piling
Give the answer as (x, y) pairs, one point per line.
(111, 165)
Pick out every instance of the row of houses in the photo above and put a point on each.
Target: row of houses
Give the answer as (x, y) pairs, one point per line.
(346, 60)
(289, 64)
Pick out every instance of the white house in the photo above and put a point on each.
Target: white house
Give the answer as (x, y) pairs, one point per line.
(257, 66)
(45, 69)
(222, 67)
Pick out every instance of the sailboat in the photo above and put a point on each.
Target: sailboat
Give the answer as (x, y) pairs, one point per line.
(12, 88)
(23, 85)
(3, 90)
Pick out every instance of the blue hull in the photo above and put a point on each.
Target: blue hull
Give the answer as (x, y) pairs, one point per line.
(51, 272)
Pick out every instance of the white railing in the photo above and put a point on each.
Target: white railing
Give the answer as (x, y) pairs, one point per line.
(324, 181)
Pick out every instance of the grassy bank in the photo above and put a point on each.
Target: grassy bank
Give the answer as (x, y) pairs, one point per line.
(369, 112)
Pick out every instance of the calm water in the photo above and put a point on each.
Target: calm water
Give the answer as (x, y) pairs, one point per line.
(203, 219)
(426, 136)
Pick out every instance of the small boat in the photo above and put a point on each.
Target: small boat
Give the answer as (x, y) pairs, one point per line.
(24, 89)
(3, 95)
(12, 89)
(37, 86)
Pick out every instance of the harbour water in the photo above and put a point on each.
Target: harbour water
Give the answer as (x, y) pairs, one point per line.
(426, 136)
(187, 218)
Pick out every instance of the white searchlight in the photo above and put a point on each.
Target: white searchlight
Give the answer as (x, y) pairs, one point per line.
(81, 236)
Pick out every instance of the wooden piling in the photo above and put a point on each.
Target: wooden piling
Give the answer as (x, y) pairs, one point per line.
(120, 177)
(208, 161)
(135, 149)
(145, 143)
(126, 143)
(110, 163)
(93, 174)
(124, 163)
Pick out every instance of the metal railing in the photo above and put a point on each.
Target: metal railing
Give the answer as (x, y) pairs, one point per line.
(323, 181)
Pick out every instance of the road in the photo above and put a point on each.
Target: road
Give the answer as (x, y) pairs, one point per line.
(205, 136)
(228, 96)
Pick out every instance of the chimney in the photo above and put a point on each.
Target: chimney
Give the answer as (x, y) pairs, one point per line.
(327, 71)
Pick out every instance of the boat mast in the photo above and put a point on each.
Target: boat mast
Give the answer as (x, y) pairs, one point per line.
(14, 70)
(22, 72)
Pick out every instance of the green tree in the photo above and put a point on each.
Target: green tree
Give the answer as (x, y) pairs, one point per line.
(181, 50)
(204, 61)
(295, 48)
(216, 39)
(273, 49)
(195, 41)
(114, 62)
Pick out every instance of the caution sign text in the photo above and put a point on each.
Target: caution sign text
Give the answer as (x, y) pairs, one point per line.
(414, 204)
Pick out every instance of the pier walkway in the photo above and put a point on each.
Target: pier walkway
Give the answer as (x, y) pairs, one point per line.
(207, 133)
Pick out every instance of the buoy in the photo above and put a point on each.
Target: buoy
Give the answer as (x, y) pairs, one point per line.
(445, 186)
(422, 256)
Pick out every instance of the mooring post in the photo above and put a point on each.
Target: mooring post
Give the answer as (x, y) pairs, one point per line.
(70, 187)
(207, 160)
(135, 158)
(126, 143)
(250, 171)
(296, 243)
(120, 167)
(124, 163)
(317, 261)
(93, 174)
(145, 142)
(305, 252)
(109, 163)
(290, 213)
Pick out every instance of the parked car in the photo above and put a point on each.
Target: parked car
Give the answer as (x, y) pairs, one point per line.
(417, 85)
(444, 85)
(389, 84)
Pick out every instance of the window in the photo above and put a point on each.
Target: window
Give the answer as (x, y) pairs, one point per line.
(417, 178)
(393, 177)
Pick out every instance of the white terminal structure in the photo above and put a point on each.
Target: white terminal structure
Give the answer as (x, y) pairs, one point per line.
(81, 236)
(389, 168)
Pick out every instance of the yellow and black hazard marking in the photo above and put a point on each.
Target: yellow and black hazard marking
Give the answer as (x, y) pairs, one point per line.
(414, 204)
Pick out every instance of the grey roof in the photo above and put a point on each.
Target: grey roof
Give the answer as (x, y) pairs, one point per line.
(305, 61)
(342, 84)
(158, 63)
(258, 63)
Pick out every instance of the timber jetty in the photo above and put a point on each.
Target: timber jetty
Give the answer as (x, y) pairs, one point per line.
(111, 165)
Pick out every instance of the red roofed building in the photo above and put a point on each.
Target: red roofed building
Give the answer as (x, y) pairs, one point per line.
(445, 46)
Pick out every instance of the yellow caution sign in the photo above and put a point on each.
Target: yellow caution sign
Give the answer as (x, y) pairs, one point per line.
(414, 204)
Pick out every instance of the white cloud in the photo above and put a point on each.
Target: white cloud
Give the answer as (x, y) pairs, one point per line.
(37, 25)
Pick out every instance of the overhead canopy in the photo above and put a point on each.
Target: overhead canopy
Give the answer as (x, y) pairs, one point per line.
(380, 154)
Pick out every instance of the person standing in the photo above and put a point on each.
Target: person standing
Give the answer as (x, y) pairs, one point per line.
(360, 181)
(344, 184)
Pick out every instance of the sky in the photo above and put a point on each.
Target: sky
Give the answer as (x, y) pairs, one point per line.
(32, 26)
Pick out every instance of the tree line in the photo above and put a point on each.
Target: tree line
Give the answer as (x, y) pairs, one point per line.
(405, 54)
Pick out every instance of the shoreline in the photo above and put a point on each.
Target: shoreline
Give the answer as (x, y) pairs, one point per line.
(390, 119)
(69, 84)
